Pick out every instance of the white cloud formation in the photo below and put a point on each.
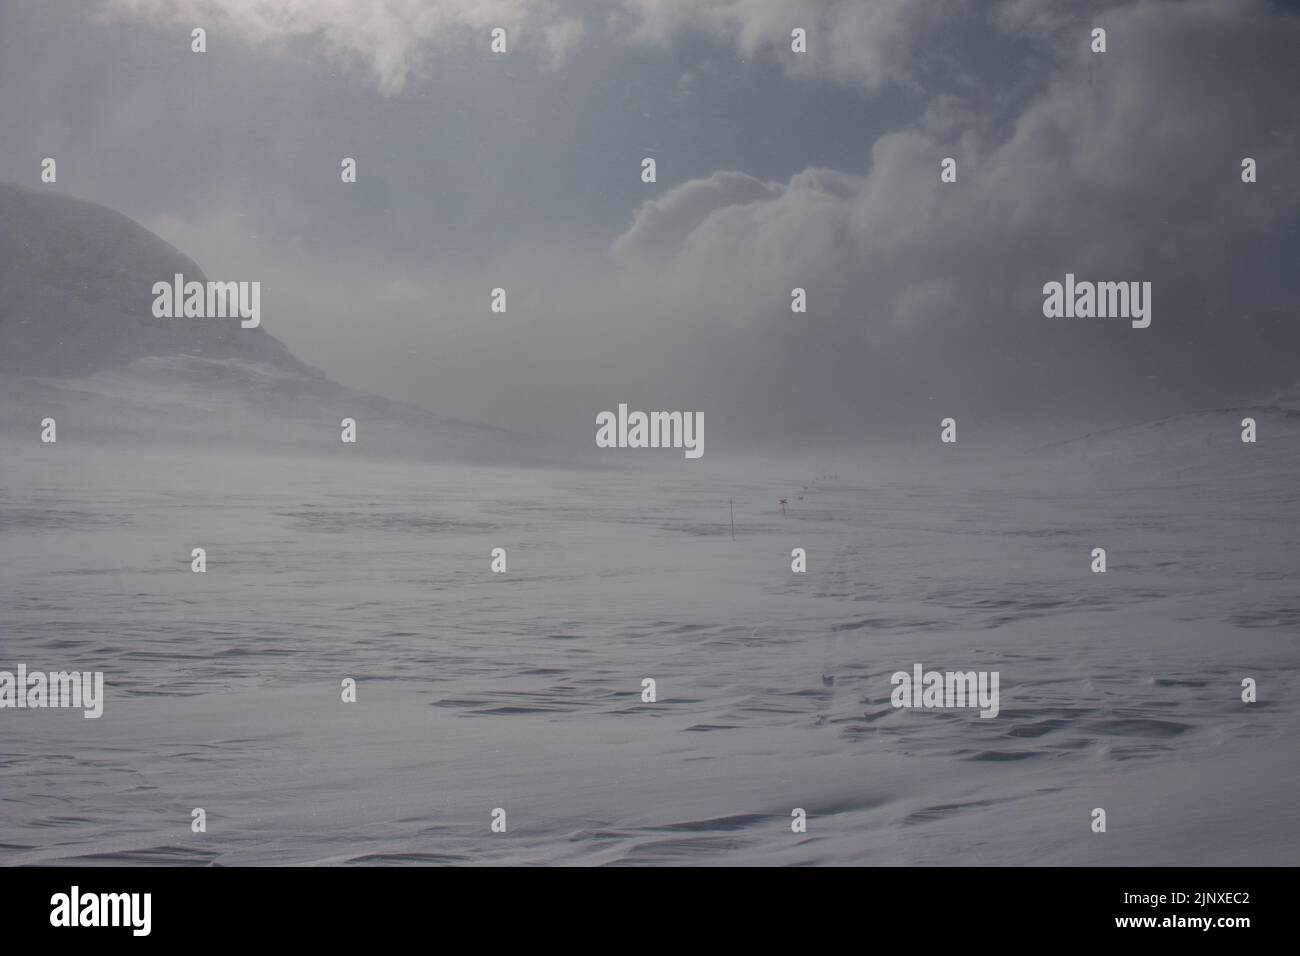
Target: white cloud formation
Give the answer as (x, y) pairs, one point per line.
(661, 224)
(392, 41)
(1098, 166)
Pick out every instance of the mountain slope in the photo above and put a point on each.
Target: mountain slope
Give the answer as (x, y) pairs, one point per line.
(79, 343)
(76, 295)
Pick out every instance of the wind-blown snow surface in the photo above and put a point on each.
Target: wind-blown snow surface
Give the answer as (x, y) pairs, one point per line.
(174, 401)
(522, 691)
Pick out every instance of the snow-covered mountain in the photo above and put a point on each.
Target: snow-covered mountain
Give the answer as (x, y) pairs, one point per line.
(75, 293)
(79, 343)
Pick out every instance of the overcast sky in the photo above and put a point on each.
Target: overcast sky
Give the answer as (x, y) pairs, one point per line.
(775, 170)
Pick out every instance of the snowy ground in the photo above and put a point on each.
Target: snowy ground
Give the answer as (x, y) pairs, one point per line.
(475, 691)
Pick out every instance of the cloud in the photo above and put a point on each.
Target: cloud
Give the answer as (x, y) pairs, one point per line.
(866, 45)
(863, 43)
(923, 297)
(1122, 166)
(391, 41)
(661, 224)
